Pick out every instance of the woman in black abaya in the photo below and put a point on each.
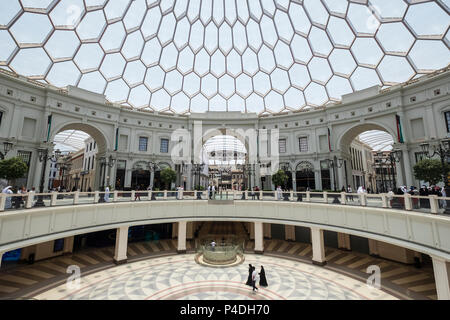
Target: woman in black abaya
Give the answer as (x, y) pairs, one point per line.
(249, 279)
(262, 278)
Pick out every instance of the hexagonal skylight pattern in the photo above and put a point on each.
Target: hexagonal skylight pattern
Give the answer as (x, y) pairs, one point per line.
(263, 56)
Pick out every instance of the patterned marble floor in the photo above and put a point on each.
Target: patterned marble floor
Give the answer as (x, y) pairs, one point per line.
(180, 277)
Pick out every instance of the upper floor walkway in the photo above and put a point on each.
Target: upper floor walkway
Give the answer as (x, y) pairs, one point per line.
(413, 222)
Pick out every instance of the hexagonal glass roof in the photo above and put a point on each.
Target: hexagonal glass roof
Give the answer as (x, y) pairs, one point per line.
(263, 56)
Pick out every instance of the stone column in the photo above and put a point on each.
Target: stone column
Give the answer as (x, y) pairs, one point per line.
(407, 164)
(318, 246)
(128, 174)
(343, 241)
(373, 248)
(441, 269)
(259, 239)
(267, 230)
(399, 179)
(340, 177)
(181, 237)
(152, 177)
(318, 179)
(112, 175)
(294, 181)
(258, 176)
(289, 232)
(120, 251)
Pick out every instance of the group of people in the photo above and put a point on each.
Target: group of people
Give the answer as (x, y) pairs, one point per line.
(254, 277)
(17, 201)
(211, 191)
(424, 191)
(255, 192)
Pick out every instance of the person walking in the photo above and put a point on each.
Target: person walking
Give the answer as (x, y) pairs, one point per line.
(209, 192)
(250, 272)
(8, 200)
(106, 198)
(262, 278)
(443, 202)
(255, 278)
(279, 193)
(350, 190)
(257, 192)
(137, 195)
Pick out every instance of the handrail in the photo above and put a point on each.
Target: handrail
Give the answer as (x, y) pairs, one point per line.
(425, 204)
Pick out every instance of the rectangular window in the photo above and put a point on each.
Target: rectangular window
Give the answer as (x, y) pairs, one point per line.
(303, 144)
(143, 142)
(447, 120)
(90, 147)
(282, 145)
(164, 146)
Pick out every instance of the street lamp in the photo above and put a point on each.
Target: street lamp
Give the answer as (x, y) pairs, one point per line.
(442, 149)
(153, 167)
(197, 168)
(7, 146)
(336, 163)
(389, 160)
(44, 157)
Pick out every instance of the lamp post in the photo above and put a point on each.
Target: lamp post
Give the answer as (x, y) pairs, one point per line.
(105, 162)
(64, 168)
(44, 157)
(336, 163)
(390, 160)
(442, 149)
(7, 146)
(153, 167)
(197, 168)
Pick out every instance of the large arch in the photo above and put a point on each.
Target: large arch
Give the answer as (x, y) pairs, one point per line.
(211, 133)
(344, 140)
(103, 146)
(96, 133)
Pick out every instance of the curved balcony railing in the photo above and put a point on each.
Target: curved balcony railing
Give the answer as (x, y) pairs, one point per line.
(425, 204)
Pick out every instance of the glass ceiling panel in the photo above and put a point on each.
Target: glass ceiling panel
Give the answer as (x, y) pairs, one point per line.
(377, 140)
(341, 45)
(260, 50)
(70, 140)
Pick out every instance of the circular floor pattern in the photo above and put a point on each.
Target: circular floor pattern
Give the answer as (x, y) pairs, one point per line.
(180, 277)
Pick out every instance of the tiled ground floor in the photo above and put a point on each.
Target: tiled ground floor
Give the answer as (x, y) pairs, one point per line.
(155, 271)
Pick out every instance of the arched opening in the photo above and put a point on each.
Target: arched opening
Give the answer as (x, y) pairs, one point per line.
(304, 176)
(83, 164)
(226, 163)
(140, 176)
(368, 160)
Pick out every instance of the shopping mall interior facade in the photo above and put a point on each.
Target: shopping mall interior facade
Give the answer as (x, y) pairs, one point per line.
(311, 101)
